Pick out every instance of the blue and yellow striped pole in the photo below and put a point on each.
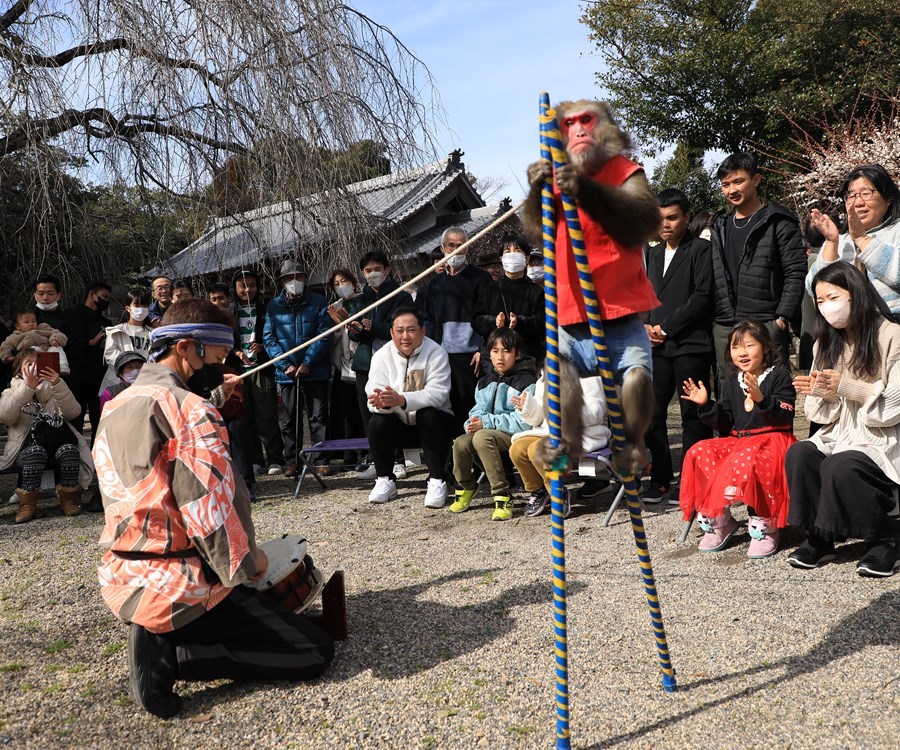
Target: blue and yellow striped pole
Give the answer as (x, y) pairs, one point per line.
(554, 473)
(552, 139)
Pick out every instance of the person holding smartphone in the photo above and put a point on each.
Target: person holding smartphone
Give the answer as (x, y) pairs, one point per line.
(37, 409)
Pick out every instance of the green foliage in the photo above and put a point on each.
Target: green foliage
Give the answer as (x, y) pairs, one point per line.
(729, 74)
(685, 171)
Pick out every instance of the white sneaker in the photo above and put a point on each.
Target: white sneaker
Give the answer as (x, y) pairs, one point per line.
(399, 471)
(436, 495)
(275, 469)
(14, 499)
(385, 489)
(368, 473)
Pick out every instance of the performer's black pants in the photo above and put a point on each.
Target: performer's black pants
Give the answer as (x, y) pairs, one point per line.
(250, 636)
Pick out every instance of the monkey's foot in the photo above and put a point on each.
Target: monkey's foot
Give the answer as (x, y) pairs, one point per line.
(630, 459)
(556, 458)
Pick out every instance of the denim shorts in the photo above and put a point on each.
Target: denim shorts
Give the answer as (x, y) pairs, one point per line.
(627, 343)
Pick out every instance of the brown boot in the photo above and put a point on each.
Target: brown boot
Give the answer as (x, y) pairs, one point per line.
(27, 505)
(68, 499)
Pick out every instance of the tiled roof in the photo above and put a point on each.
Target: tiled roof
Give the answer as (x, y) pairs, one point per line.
(276, 230)
(472, 221)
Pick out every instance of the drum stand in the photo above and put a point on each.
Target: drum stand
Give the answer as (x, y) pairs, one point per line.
(333, 619)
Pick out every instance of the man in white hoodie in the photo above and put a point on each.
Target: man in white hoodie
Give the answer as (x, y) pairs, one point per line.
(409, 396)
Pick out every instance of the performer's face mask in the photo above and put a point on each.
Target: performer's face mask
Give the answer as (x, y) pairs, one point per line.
(209, 377)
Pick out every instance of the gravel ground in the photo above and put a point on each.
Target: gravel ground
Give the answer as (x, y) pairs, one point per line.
(451, 638)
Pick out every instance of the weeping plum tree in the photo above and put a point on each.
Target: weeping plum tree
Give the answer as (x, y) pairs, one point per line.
(164, 95)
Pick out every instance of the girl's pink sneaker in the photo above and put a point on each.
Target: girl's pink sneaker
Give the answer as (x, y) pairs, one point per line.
(717, 532)
(763, 537)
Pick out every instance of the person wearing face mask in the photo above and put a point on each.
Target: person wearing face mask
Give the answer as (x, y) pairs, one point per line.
(872, 239)
(345, 420)
(128, 367)
(535, 270)
(371, 333)
(47, 295)
(514, 301)
(260, 432)
(843, 480)
(87, 334)
(448, 306)
(132, 334)
(178, 583)
(294, 317)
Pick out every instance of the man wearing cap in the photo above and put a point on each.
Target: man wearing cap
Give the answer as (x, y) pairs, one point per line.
(491, 263)
(294, 317)
(178, 536)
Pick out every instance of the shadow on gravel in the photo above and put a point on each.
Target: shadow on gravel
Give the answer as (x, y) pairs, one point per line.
(395, 634)
(874, 625)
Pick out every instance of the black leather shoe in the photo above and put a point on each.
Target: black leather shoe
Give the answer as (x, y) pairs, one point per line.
(152, 671)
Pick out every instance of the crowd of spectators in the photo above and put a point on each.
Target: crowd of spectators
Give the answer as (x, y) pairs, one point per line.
(454, 369)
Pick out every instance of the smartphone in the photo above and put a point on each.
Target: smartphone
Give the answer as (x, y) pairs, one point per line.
(43, 360)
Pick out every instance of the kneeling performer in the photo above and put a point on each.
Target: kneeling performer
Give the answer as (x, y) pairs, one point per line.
(178, 534)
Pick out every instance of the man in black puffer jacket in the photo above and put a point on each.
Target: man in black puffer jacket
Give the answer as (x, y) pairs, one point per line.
(758, 260)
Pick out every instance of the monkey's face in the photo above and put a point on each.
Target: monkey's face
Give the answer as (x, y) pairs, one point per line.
(589, 134)
(579, 132)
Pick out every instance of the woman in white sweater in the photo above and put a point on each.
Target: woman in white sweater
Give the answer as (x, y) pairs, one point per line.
(132, 335)
(843, 481)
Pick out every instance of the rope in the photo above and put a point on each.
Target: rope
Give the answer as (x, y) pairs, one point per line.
(551, 140)
(403, 287)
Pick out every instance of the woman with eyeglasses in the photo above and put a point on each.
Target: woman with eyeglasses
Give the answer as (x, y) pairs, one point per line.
(872, 238)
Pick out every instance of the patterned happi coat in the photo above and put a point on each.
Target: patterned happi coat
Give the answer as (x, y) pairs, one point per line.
(168, 485)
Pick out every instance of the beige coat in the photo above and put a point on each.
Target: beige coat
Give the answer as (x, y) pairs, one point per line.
(51, 397)
(865, 416)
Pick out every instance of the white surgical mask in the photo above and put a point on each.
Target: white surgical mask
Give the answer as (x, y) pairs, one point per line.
(456, 261)
(294, 288)
(836, 312)
(130, 376)
(513, 262)
(344, 291)
(535, 273)
(139, 313)
(47, 307)
(375, 279)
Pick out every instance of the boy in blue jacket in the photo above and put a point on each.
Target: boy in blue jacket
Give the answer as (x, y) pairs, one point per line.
(492, 422)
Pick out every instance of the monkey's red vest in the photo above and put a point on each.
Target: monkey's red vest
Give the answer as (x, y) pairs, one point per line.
(619, 277)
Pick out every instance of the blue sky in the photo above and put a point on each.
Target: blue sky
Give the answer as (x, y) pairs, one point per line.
(490, 59)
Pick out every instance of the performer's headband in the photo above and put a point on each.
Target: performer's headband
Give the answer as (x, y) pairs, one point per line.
(211, 334)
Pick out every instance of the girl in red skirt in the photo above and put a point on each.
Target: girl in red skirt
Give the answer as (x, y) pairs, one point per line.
(755, 418)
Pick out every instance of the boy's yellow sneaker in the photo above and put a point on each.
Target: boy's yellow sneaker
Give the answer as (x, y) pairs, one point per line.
(461, 503)
(503, 508)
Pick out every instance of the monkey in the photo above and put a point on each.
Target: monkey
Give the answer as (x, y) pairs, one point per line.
(618, 213)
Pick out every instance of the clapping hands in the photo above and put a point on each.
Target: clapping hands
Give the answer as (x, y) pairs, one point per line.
(695, 392)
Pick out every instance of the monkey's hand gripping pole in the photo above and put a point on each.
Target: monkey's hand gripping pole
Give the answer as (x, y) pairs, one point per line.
(552, 151)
